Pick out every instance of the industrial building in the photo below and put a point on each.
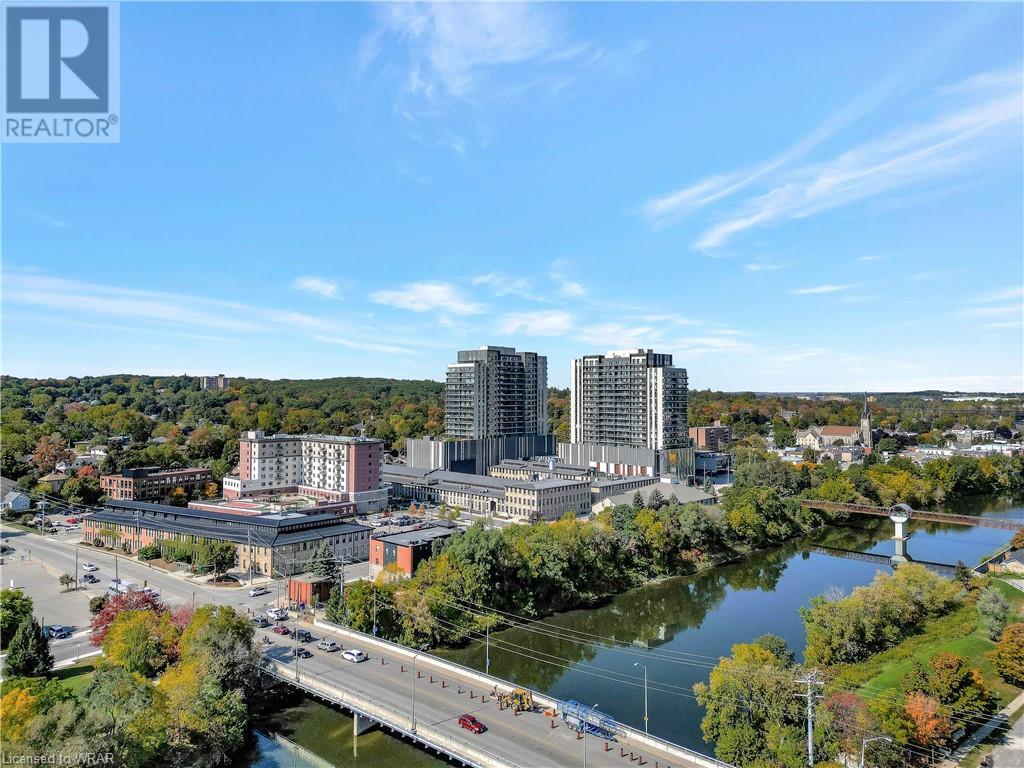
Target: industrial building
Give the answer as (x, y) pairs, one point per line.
(270, 544)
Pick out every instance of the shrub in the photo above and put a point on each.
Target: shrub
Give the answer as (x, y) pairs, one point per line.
(149, 552)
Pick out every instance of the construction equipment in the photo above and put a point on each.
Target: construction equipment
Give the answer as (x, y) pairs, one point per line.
(586, 719)
(518, 699)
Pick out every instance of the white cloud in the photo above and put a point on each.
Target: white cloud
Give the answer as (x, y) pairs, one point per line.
(45, 218)
(572, 289)
(762, 266)
(454, 47)
(549, 323)
(368, 345)
(945, 145)
(1003, 309)
(321, 286)
(503, 285)
(952, 140)
(820, 289)
(140, 308)
(428, 296)
(871, 257)
(1002, 294)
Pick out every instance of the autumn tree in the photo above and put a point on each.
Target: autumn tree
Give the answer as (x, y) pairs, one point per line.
(50, 451)
(133, 600)
(931, 727)
(1008, 657)
(140, 641)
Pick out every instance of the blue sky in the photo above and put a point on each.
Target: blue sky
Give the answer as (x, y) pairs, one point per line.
(797, 197)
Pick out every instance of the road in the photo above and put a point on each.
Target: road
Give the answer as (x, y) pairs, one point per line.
(38, 561)
(526, 740)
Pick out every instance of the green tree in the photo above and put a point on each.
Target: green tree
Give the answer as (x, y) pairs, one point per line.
(321, 563)
(335, 610)
(140, 641)
(28, 653)
(752, 712)
(992, 610)
(66, 580)
(15, 607)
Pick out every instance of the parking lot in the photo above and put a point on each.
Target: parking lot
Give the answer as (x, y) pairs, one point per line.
(52, 604)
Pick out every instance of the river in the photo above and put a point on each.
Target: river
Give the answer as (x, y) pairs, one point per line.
(691, 620)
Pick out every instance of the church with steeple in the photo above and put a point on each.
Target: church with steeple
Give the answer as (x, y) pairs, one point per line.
(865, 427)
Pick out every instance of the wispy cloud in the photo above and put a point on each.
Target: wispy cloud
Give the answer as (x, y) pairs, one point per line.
(572, 289)
(870, 257)
(368, 345)
(454, 48)
(428, 296)
(172, 311)
(502, 285)
(1001, 294)
(321, 286)
(815, 290)
(548, 323)
(953, 139)
(762, 266)
(44, 218)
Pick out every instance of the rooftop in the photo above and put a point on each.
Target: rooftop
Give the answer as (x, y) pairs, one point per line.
(421, 536)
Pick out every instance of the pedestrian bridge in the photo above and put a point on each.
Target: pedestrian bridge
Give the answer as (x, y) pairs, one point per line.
(420, 697)
(1003, 523)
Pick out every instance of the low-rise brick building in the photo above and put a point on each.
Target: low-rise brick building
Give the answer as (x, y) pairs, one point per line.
(153, 483)
(407, 549)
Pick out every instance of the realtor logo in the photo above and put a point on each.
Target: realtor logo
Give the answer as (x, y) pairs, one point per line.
(61, 73)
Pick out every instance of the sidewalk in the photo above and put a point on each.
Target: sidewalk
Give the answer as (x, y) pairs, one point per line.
(998, 720)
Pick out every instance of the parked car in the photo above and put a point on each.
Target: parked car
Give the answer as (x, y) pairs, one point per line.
(150, 591)
(58, 631)
(302, 653)
(257, 591)
(354, 655)
(89, 567)
(277, 614)
(303, 635)
(987, 762)
(73, 520)
(90, 579)
(327, 645)
(281, 629)
(471, 724)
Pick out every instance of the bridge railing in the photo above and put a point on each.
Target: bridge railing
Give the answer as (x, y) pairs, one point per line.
(390, 717)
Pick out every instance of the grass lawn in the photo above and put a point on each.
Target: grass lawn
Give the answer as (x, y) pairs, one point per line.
(958, 632)
(76, 677)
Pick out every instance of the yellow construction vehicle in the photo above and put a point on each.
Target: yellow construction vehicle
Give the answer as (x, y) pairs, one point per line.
(518, 700)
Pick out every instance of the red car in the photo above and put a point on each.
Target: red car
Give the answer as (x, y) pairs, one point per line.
(73, 520)
(281, 629)
(470, 723)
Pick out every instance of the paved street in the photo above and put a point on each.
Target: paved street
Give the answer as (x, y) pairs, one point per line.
(527, 739)
(47, 557)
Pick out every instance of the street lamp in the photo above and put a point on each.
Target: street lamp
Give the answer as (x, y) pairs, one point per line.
(864, 743)
(585, 740)
(638, 664)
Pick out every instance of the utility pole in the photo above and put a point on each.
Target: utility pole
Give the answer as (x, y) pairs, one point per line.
(138, 534)
(812, 681)
(248, 543)
(487, 651)
(638, 664)
(414, 692)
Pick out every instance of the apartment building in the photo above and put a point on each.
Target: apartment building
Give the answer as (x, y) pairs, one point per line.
(217, 383)
(495, 392)
(712, 438)
(629, 398)
(270, 544)
(332, 467)
(153, 483)
(546, 499)
(540, 469)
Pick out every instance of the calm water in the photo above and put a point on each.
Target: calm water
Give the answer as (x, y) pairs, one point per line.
(692, 619)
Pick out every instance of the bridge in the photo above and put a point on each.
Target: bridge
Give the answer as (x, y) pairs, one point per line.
(420, 698)
(944, 569)
(936, 517)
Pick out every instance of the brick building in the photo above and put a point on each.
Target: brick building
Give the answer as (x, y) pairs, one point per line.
(407, 549)
(153, 483)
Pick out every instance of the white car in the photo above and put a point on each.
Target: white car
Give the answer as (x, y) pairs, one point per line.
(257, 591)
(150, 591)
(277, 614)
(90, 567)
(354, 655)
(328, 645)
